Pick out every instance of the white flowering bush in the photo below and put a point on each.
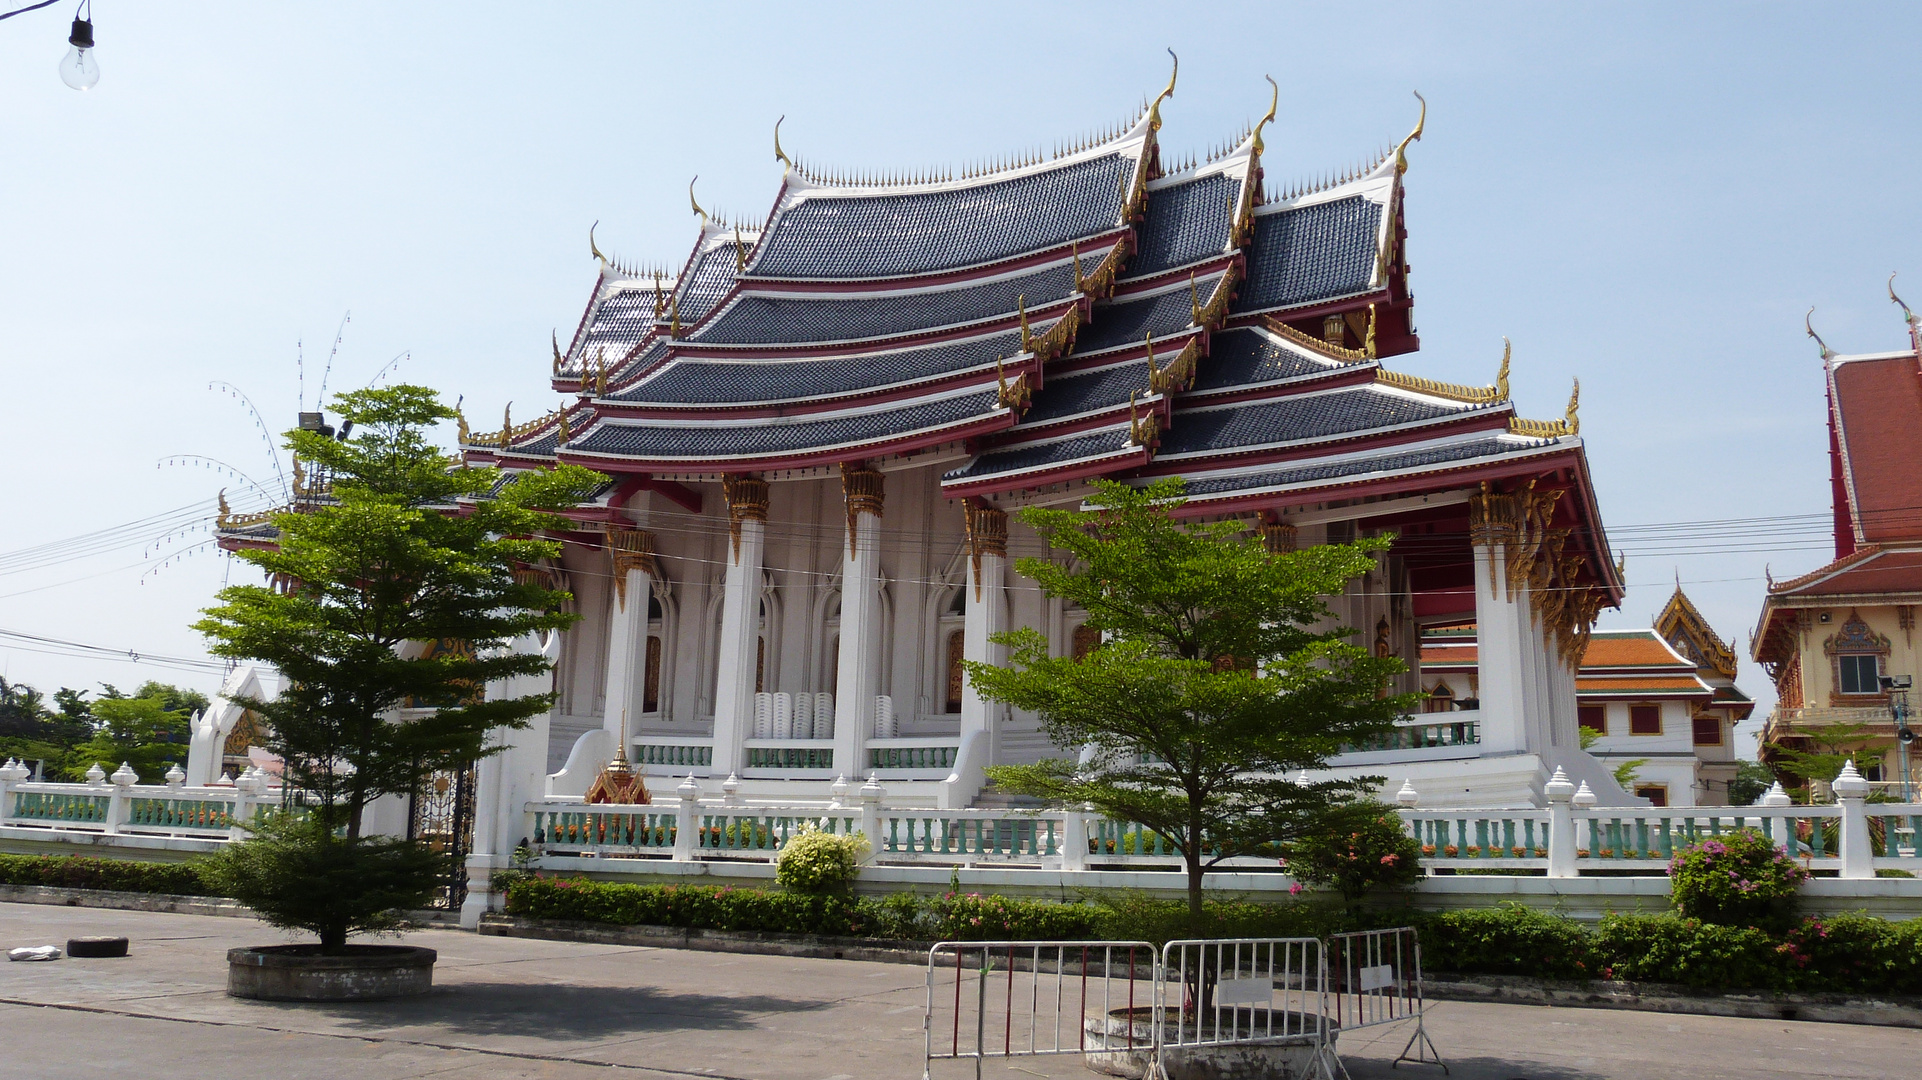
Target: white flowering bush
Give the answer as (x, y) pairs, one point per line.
(816, 861)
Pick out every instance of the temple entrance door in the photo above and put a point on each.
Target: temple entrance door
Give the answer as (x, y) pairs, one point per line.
(441, 812)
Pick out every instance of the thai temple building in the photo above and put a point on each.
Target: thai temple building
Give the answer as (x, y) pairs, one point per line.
(819, 428)
(1830, 637)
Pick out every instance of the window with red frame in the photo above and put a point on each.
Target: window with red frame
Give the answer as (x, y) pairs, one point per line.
(1592, 717)
(1708, 731)
(1644, 719)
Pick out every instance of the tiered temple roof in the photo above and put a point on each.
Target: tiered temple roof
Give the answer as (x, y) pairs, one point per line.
(1032, 327)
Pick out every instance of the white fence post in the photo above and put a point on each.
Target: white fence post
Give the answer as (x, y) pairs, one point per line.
(1074, 839)
(1857, 857)
(687, 819)
(10, 773)
(1561, 826)
(124, 779)
(871, 793)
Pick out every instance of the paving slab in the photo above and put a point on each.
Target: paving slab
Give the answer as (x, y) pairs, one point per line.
(518, 1007)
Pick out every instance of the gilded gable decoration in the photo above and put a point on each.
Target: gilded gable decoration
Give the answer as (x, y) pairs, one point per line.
(1856, 638)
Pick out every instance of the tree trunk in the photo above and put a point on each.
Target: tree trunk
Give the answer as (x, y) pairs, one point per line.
(333, 939)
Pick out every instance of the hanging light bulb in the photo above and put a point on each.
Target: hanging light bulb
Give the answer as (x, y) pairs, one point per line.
(79, 70)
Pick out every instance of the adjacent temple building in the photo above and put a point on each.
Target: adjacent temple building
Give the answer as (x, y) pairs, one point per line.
(819, 426)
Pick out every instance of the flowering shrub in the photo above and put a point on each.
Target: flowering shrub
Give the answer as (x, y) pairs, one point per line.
(814, 861)
(1737, 879)
(1377, 854)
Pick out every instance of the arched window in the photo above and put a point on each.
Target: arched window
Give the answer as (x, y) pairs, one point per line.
(651, 688)
(1086, 640)
(957, 649)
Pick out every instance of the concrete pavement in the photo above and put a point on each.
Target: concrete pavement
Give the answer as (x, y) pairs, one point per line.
(514, 1008)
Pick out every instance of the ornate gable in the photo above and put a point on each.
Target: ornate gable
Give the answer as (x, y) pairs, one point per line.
(1682, 626)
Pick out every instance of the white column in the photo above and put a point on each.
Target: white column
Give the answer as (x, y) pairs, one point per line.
(1561, 826)
(987, 615)
(858, 676)
(633, 569)
(507, 781)
(740, 621)
(1856, 856)
(1501, 626)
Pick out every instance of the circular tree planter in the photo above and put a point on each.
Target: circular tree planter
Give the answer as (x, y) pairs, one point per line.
(1120, 1046)
(304, 973)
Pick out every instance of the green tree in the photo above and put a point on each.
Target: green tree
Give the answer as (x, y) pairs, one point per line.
(1752, 780)
(408, 546)
(1828, 748)
(140, 731)
(1210, 686)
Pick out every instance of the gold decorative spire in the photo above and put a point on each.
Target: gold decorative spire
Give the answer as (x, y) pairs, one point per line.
(591, 246)
(674, 315)
(600, 372)
(1194, 297)
(1154, 376)
(1907, 315)
(1154, 111)
(1806, 325)
(554, 336)
(780, 155)
(1501, 377)
(226, 513)
(740, 251)
(507, 424)
(1274, 101)
(561, 434)
(1027, 339)
(1574, 405)
(460, 419)
(702, 214)
(1401, 159)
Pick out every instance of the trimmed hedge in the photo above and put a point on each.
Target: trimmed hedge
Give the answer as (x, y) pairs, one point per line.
(1853, 953)
(82, 872)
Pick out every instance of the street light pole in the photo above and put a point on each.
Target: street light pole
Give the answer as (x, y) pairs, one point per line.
(1898, 688)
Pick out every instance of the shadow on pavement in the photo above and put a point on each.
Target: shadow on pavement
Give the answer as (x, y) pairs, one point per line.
(556, 1011)
(1466, 1068)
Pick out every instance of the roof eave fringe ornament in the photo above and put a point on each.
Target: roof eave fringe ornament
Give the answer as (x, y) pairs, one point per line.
(1314, 344)
(1569, 424)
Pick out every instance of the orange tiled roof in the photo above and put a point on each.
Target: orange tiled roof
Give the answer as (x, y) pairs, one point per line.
(1641, 649)
(1669, 684)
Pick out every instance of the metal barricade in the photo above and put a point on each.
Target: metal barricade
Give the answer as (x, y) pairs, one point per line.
(1374, 977)
(1009, 999)
(1245, 991)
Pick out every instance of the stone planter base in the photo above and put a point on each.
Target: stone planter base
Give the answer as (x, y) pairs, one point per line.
(303, 973)
(1120, 1046)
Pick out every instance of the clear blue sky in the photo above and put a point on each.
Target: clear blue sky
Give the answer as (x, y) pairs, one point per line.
(1647, 196)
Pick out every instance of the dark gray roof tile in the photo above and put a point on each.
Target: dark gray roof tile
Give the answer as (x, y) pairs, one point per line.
(871, 236)
(1291, 419)
(1018, 458)
(1245, 357)
(776, 437)
(1067, 395)
(1314, 253)
(1185, 223)
(692, 381)
(1123, 321)
(1391, 460)
(799, 319)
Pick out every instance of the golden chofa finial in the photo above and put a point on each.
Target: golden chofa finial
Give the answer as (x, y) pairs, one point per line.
(1806, 325)
(702, 214)
(591, 246)
(1154, 111)
(561, 434)
(554, 336)
(1401, 158)
(780, 155)
(507, 424)
(1907, 315)
(740, 251)
(1574, 406)
(1501, 377)
(226, 514)
(460, 420)
(1274, 102)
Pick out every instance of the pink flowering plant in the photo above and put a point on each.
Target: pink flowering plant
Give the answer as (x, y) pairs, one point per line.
(1374, 853)
(1737, 879)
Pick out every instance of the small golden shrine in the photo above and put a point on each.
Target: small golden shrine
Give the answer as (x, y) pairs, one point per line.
(618, 782)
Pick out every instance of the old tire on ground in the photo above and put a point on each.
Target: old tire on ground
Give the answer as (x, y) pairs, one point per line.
(304, 973)
(88, 947)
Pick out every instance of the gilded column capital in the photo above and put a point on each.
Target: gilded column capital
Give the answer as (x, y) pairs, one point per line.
(864, 489)
(1279, 537)
(987, 535)
(747, 498)
(630, 549)
(1495, 518)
